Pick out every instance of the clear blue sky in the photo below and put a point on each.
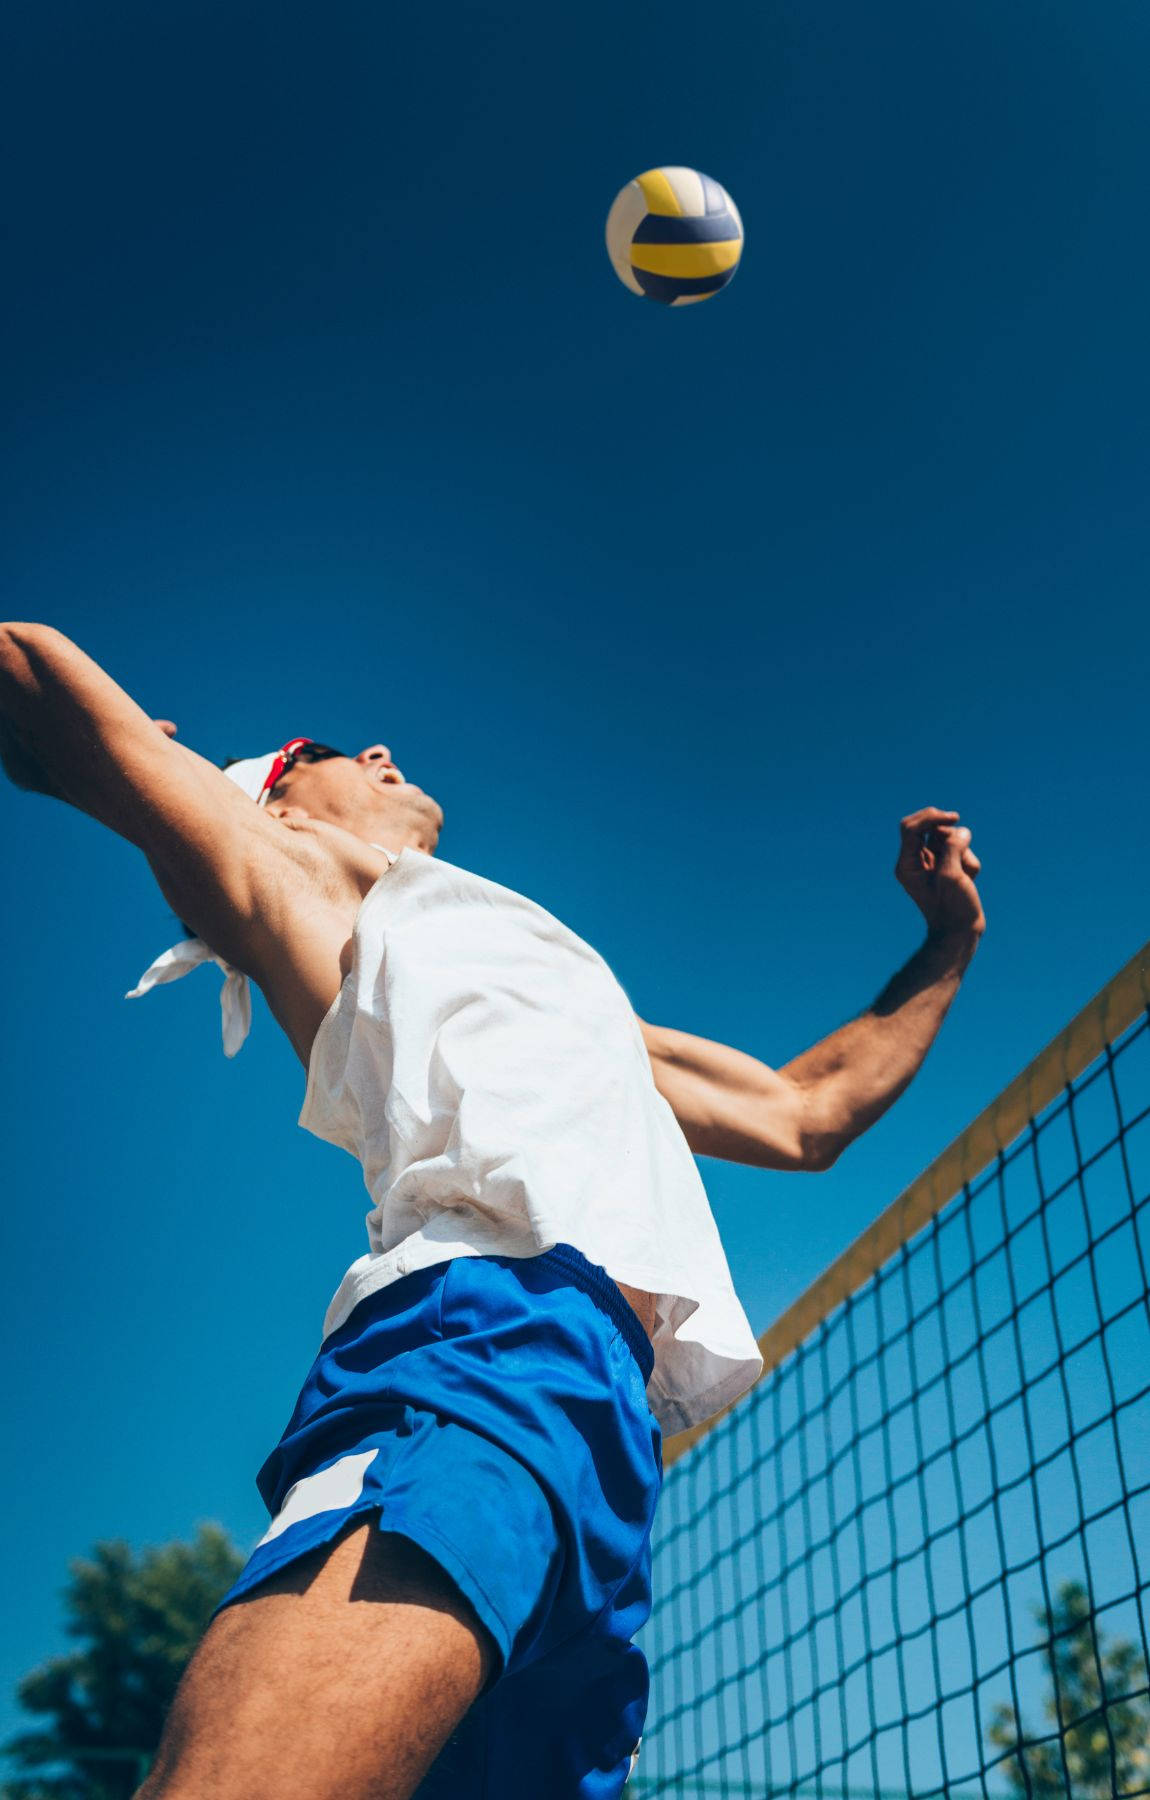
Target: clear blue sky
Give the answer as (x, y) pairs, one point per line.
(327, 415)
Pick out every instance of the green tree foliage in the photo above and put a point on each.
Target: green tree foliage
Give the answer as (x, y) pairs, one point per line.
(1098, 1730)
(137, 1621)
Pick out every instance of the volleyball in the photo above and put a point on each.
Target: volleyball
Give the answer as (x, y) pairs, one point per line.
(675, 236)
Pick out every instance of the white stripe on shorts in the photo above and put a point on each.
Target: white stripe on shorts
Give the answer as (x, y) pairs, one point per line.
(328, 1490)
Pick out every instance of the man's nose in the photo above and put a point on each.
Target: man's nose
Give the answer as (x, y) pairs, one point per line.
(374, 753)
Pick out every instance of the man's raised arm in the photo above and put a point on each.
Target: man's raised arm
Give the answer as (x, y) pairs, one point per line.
(68, 730)
(803, 1115)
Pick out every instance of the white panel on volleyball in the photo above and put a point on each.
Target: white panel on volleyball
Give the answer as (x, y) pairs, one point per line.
(624, 219)
(688, 191)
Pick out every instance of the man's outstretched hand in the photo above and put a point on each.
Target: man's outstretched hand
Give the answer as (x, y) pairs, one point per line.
(938, 869)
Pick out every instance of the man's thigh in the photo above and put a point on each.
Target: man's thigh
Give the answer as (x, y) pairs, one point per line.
(340, 1677)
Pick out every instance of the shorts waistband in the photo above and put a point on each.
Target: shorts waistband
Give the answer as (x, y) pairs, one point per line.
(598, 1286)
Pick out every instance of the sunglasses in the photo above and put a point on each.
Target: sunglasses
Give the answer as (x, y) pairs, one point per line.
(297, 750)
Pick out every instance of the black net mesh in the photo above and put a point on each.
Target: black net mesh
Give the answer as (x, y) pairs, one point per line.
(914, 1561)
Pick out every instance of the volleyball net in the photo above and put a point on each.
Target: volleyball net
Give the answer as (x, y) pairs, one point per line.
(914, 1559)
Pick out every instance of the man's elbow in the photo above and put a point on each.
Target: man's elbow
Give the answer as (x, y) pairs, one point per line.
(799, 1144)
(16, 632)
(16, 677)
(22, 647)
(26, 671)
(820, 1154)
(791, 1133)
(11, 653)
(821, 1141)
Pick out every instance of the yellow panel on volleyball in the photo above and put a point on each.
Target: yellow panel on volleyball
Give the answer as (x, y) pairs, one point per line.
(659, 194)
(674, 236)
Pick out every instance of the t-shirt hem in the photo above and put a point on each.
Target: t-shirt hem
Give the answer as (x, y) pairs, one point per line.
(675, 1415)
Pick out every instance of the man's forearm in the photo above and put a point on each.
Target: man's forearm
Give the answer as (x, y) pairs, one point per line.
(804, 1115)
(855, 1074)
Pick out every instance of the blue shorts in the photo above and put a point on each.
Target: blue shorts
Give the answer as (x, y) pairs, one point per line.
(493, 1410)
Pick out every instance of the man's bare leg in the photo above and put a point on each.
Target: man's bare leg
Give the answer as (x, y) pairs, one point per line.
(340, 1679)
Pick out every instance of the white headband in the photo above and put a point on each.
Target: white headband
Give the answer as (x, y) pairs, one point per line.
(252, 773)
(257, 776)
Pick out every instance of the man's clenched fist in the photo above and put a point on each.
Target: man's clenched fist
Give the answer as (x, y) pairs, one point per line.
(938, 869)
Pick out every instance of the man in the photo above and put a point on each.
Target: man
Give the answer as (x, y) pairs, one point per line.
(461, 1505)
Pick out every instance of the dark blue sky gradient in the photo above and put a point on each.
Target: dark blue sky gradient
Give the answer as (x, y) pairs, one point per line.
(327, 415)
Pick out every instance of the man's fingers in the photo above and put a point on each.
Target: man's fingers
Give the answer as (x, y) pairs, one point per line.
(951, 845)
(925, 817)
(937, 867)
(934, 848)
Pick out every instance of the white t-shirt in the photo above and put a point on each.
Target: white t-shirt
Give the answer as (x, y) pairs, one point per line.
(485, 1067)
